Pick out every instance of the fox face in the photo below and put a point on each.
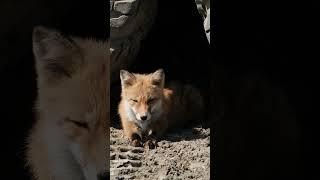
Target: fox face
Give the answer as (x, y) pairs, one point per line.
(73, 94)
(143, 95)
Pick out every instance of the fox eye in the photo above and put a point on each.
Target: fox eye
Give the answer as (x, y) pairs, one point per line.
(151, 100)
(78, 123)
(134, 100)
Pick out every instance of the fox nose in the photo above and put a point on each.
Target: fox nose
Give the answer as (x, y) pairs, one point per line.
(143, 118)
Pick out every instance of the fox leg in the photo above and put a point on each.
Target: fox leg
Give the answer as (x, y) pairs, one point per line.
(155, 134)
(132, 131)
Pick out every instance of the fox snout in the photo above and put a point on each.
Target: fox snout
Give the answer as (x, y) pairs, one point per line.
(143, 116)
(142, 112)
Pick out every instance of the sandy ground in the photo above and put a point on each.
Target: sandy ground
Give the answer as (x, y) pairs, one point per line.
(184, 154)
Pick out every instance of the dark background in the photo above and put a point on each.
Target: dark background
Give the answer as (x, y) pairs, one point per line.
(17, 74)
(279, 42)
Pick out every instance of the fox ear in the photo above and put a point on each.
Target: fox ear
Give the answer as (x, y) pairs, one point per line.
(158, 78)
(55, 55)
(127, 78)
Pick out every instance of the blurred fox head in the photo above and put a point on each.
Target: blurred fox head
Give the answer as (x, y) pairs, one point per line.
(73, 93)
(143, 94)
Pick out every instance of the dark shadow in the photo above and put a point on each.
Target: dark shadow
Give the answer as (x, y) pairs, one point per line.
(17, 73)
(186, 134)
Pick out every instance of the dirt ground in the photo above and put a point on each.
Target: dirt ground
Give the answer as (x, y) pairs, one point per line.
(184, 154)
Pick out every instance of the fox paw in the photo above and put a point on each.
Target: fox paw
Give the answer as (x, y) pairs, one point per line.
(136, 140)
(150, 144)
(136, 143)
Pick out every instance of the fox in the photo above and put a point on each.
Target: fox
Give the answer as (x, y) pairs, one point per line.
(148, 109)
(69, 139)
